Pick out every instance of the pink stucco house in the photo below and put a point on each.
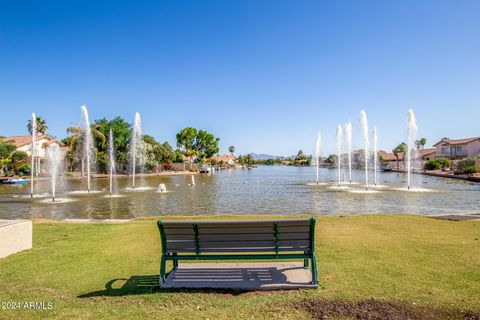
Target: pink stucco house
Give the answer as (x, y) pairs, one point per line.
(458, 148)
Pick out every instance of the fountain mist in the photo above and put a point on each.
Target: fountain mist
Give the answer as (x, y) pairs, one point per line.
(111, 160)
(34, 147)
(339, 153)
(375, 157)
(348, 140)
(87, 151)
(54, 159)
(411, 136)
(364, 126)
(136, 147)
(317, 154)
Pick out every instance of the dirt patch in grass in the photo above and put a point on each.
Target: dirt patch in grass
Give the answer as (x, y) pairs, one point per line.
(378, 310)
(457, 217)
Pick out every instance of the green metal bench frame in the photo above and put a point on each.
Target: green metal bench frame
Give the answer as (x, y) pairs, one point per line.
(308, 254)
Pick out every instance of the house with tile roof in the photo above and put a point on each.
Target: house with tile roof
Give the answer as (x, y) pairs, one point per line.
(42, 142)
(455, 149)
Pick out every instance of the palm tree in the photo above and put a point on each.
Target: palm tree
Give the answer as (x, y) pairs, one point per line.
(420, 143)
(402, 147)
(41, 125)
(231, 149)
(423, 142)
(74, 138)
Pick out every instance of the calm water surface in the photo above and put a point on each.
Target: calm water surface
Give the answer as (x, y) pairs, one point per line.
(263, 190)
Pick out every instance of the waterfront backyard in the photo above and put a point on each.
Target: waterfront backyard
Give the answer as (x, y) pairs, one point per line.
(409, 264)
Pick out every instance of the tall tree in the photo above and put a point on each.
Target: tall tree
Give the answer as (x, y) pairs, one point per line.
(197, 144)
(401, 148)
(423, 142)
(41, 125)
(121, 131)
(420, 143)
(186, 140)
(231, 149)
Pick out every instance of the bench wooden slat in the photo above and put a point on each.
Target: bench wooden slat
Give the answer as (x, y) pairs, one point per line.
(234, 230)
(240, 236)
(179, 231)
(236, 244)
(247, 223)
(250, 236)
(269, 230)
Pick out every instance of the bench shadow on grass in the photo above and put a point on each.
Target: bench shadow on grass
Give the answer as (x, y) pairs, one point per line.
(132, 286)
(193, 280)
(137, 285)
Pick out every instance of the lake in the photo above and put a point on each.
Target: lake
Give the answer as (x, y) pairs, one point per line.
(264, 190)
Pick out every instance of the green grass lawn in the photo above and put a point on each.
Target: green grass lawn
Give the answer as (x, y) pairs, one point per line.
(415, 260)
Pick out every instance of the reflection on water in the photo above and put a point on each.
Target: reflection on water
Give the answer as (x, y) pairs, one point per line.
(264, 190)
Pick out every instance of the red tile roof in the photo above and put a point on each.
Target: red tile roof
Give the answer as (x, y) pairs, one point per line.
(447, 141)
(224, 158)
(21, 141)
(428, 151)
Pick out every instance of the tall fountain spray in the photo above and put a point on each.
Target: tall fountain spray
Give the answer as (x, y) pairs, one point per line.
(339, 153)
(317, 154)
(87, 141)
(411, 136)
(348, 140)
(364, 126)
(34, 147)
(375, 157)
(54, 159)
(111, 160)
(136, 147)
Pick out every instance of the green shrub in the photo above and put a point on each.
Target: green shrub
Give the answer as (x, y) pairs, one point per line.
(24, 169)
(462, 165)
(444, 162)
(432, 165)
(470, 169)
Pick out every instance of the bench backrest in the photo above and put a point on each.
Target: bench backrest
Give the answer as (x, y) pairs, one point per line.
(237, 236)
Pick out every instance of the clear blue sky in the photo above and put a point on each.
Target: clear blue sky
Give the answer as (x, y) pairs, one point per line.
(262, 75)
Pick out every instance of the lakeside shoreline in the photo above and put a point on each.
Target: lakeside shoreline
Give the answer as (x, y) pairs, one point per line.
(77, 175)
(441, 174)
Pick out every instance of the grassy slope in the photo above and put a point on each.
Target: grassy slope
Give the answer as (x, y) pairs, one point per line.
(396, 257)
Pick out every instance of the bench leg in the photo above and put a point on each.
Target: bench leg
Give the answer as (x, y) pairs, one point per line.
(314, 270)
(175, 262)
(162, 270)
(305, 263)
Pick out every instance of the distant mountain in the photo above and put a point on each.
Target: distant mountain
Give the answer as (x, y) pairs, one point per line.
(262, 156)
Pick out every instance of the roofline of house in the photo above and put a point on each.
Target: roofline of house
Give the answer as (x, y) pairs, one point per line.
(452, 141)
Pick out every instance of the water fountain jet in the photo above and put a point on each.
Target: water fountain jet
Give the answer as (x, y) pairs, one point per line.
(33, 151)
(317, 154)
(375, 158)
(411, 136)
(364, 126)
(339, 153)
(54, 159)
(111, 160)
(87, 143)
(136, 147)
(348, 140)
(162, 188)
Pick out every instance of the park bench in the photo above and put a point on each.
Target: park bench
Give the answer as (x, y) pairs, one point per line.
(238, 240)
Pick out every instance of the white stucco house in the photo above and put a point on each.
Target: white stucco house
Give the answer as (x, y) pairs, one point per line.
(24, 143)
